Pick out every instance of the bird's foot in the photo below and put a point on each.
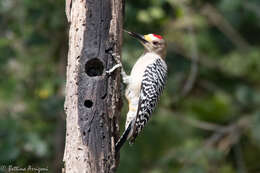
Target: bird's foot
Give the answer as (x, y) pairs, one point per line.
(114, 68)
(117, 58)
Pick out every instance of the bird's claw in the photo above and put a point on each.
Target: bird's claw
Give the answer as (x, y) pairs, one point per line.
(114, 68)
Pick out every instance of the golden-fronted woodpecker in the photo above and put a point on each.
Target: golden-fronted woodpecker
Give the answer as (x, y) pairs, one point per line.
(144, 84)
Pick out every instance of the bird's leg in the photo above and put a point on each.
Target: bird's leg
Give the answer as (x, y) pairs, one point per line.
(118, 63)
(117, 58)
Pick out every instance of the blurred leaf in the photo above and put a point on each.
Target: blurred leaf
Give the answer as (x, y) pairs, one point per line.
(156, 12)
(245, 95)
(217, 108)
(243, 65)
(144, 16)
(35, 145)
(255, 128)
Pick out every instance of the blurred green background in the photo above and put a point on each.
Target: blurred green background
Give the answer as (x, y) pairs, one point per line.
(208, 119)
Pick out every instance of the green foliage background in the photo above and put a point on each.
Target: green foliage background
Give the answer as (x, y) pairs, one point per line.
(208, 119)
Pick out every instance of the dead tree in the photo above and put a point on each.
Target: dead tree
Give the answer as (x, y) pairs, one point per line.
(92, 100)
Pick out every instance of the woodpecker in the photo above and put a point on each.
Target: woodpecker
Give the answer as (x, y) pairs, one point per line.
(144, 85)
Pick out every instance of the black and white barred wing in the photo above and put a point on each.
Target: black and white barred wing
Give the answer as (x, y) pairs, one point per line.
(153, 83)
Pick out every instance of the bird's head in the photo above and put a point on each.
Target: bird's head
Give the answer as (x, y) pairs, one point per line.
(151, 42)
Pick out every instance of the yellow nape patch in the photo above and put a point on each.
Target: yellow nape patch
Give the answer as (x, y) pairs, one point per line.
(148, 37)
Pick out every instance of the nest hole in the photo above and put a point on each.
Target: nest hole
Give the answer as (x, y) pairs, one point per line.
(88, 103)
(94, 67)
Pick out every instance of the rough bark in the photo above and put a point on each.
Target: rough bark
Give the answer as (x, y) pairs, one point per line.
(92, 98)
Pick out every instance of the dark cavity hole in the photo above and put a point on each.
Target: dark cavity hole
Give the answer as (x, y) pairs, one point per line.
(88, 103)
(94, 67)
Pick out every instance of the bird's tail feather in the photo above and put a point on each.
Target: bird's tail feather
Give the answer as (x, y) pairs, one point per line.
(123, 138)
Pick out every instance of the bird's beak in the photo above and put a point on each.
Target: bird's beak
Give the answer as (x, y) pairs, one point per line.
(137, 36)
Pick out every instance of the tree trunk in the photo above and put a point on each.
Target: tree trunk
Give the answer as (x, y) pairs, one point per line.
(92, 98)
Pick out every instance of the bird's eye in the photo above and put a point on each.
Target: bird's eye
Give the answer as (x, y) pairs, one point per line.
(155, 43)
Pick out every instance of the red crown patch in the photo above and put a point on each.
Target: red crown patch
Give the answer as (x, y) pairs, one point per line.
(158, 36)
